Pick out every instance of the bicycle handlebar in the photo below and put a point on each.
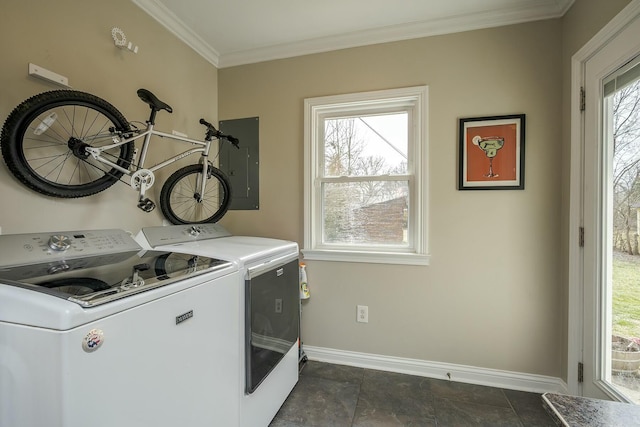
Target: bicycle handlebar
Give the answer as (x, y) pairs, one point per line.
(212, 132)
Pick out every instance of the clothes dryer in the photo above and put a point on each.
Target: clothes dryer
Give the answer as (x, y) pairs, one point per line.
(270, 308)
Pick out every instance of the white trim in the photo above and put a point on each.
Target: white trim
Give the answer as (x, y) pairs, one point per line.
(171, 22)
(575, 295)
(576, 262)
(368, 257)
(517, 14)
(314, 109)
(424, 368)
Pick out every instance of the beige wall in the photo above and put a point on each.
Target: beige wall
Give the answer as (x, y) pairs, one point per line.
(579, 25)
(73, 38)
(491, 296)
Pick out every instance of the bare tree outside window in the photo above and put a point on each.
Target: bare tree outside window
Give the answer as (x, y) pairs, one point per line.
(626, 166)
(624, 107)
(363, 208)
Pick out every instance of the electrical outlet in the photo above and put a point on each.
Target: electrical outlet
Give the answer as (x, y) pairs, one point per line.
(362, 314)
(278, 305)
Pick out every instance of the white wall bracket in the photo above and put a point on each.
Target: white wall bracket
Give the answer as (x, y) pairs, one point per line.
(50, 76)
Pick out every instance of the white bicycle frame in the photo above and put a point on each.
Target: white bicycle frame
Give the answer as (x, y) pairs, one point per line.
(146, 183)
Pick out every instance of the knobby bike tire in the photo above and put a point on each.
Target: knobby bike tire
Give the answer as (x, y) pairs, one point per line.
(179, 196)
(42, 142)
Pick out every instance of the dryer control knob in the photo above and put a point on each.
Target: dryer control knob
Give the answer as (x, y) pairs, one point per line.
(59, 242)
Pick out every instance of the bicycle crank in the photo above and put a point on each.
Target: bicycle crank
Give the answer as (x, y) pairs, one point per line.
(142, 180)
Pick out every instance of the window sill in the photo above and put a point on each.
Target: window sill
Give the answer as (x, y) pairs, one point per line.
(367, 257)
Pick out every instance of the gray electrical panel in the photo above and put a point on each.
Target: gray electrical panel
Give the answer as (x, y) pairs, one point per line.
(242, 165)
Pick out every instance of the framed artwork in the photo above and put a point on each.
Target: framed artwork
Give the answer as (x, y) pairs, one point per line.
(491, 153)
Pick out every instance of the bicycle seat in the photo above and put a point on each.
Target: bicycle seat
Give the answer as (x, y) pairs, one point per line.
(153, 101)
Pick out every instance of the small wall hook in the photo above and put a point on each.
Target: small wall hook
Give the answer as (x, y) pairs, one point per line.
(120, 40)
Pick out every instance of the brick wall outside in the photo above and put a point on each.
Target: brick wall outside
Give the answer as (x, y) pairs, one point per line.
(383, 222)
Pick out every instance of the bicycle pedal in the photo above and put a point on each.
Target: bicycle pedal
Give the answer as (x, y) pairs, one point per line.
(146, 205)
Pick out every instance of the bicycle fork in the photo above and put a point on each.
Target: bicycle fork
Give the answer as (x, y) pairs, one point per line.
(200, 186)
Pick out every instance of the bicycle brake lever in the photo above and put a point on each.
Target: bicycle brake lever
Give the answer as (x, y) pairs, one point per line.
(208, 125)
(213, 132)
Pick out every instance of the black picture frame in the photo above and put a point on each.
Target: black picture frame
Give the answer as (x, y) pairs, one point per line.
(491, 152)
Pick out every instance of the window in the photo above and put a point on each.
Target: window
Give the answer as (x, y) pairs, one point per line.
(366, 177)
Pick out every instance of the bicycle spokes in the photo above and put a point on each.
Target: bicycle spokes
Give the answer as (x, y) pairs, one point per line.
(183, 201)
(50, 136)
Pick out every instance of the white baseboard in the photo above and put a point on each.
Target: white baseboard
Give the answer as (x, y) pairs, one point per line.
(460, 373)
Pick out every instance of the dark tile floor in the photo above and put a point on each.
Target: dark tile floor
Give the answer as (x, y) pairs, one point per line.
(333, 395)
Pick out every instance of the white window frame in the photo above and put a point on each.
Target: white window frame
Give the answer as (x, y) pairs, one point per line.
(415, 101)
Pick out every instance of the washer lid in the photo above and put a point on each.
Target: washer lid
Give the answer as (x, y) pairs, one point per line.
(97, 280)
(215, 240)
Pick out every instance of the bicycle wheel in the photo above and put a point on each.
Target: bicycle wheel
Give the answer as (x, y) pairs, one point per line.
(180, 198)
(44, 138)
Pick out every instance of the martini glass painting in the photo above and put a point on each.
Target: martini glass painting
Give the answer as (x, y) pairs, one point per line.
(491, 153)
(490, 145)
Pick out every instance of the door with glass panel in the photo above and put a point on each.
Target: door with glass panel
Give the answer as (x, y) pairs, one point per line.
(621, 296)
(611, 218)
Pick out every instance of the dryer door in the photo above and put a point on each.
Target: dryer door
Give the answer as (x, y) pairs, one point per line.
(272, 317)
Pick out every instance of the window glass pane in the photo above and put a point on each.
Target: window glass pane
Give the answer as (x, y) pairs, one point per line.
(372, 212)
(366, 145)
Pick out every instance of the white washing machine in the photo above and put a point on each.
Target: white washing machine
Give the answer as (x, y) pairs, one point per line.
(96, 332)
(269, 281)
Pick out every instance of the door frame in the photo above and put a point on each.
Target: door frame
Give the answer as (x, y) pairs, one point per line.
(576, 291)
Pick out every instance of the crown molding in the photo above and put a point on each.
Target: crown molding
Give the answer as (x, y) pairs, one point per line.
(545, 9)
(564, 6)
(171, 22)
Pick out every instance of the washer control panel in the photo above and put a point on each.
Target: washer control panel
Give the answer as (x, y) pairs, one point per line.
(33, 248)
(174, 234)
